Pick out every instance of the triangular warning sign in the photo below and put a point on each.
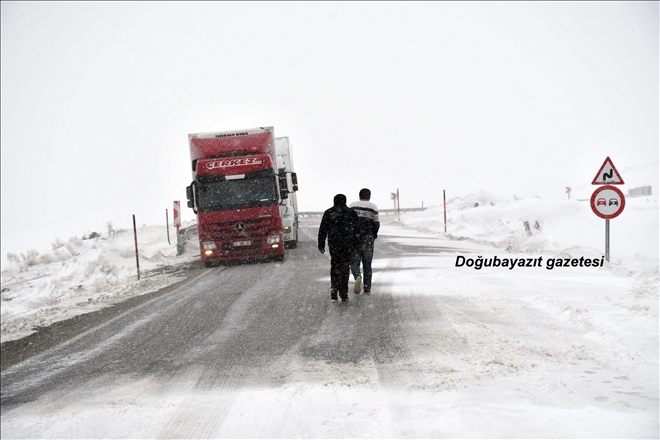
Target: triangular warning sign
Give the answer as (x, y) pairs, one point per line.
(607, 175)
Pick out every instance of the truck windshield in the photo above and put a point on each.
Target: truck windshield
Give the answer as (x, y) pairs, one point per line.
(237, 194)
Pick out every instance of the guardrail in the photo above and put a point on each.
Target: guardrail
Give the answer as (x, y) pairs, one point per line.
(640, 191)
(380, 211)
(183, 236)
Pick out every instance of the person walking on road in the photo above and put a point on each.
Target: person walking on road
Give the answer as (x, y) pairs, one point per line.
(340, 226)
(369, 224)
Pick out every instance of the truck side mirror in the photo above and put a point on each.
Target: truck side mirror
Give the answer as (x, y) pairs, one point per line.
(294, 180)
(281, 178)
(190, 195)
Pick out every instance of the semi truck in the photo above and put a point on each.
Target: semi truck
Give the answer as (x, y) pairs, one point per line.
(288, 188)
(236, 195)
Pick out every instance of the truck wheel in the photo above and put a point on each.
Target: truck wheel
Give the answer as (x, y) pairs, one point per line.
(208, 264)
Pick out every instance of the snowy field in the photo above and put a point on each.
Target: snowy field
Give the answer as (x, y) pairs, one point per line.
(81, 275)
(601, 322)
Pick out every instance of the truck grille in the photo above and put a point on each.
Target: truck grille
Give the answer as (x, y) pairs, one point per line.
(254, 228)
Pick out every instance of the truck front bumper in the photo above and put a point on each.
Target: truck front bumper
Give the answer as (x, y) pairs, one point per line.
(269, 247)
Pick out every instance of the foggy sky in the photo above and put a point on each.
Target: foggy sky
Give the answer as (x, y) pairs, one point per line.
(520, 98)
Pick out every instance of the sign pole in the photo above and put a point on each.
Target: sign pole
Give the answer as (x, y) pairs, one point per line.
(607, 240)
(607, 202)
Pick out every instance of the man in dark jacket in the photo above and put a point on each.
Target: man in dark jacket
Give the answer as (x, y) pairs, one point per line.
(369, 224)
(340, 226)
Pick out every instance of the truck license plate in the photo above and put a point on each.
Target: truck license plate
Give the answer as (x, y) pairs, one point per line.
(241, 243)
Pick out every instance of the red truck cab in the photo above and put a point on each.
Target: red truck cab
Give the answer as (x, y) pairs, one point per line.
(235, 194)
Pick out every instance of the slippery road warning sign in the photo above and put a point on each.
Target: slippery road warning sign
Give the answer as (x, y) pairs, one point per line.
(607, 202)
(607, 175)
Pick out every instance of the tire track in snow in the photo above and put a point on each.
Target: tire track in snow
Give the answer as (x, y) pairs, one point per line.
(67, 361)
(256, 330)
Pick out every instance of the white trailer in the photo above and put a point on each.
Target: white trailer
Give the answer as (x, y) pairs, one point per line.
(288, 188)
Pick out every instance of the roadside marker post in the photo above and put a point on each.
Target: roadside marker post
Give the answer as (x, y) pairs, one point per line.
(137, 258)
(444, 203)
(167, 223)
(177, 224)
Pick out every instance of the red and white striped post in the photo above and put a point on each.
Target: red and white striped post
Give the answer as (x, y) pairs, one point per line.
(177, 215)
(177, 221)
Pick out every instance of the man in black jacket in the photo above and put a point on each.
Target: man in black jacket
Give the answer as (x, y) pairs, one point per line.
(340, 226)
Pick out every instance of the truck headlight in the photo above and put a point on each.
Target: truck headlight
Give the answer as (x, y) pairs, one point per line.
(273, 239)
(209, 246)
(287, 229)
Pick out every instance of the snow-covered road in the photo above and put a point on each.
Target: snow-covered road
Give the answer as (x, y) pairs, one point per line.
(436, 351)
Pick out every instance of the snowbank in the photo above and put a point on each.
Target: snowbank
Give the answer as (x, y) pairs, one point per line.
(535, 225)
(82, 275)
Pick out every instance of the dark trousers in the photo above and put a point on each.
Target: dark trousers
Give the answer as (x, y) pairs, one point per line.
(340, 260)
(365, 255)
